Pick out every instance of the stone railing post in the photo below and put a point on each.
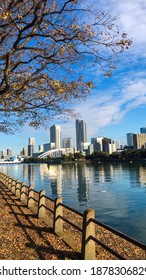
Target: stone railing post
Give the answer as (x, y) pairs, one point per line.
(41, 205)
(30, 201)
(13, 186)
(18, 189)
(7, 180)
(10, 183)
(23, 195)
(88, 245)
(58, 212)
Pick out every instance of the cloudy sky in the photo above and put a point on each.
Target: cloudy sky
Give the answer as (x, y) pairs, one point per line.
(117, 105)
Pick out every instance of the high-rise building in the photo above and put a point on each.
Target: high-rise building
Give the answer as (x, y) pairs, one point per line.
(143, 130)
(4, 154)
(81, 133)
(9, 152)
(97, 143)
(41, 148)
(139, 141)
(117, 144)
(91, 149)
(66, 143)
(130, 139)
(111, 148)
(105, 144)
(25, 152)
(55, 135)
(48, 146)
(31, 146)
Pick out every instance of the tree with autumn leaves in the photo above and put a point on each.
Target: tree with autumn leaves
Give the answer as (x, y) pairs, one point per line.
(45, 46)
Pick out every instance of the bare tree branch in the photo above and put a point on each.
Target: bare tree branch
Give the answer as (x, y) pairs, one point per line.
(41, 42)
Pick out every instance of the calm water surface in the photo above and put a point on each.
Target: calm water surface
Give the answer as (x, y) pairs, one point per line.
(116, 192)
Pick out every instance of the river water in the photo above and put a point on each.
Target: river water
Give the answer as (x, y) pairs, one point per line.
(117, 192)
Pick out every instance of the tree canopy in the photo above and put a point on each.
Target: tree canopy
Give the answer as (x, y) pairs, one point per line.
(44, 47)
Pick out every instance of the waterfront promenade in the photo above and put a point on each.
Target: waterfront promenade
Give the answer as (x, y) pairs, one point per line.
(24, 237)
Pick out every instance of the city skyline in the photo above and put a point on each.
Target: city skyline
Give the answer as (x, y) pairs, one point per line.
(117, 105)
(59, 141)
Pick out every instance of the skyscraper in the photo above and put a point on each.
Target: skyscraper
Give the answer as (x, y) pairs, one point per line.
(97, 144)
(105, 144)
(81, 133)
(9, 152)
(139, 141)
(31, 146)
(25, 152)
(55, 135)
(130, 139)
(66, 143)
(117, 144)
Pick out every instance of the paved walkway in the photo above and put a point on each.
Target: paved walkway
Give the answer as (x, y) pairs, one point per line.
(24, 237)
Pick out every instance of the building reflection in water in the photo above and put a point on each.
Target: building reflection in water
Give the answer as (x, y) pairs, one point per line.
(55, 174)
(77, 176)
(52, 176)
(84, 175)
(137, 175)
(103, 173)
(43, 171)
(142, 175)
(29, 173)
(43, 174)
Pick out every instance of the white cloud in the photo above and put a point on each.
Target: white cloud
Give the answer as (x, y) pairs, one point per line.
(132, 17)
(103, 109)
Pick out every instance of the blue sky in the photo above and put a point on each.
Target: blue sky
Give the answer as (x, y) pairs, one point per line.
(117, 105)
